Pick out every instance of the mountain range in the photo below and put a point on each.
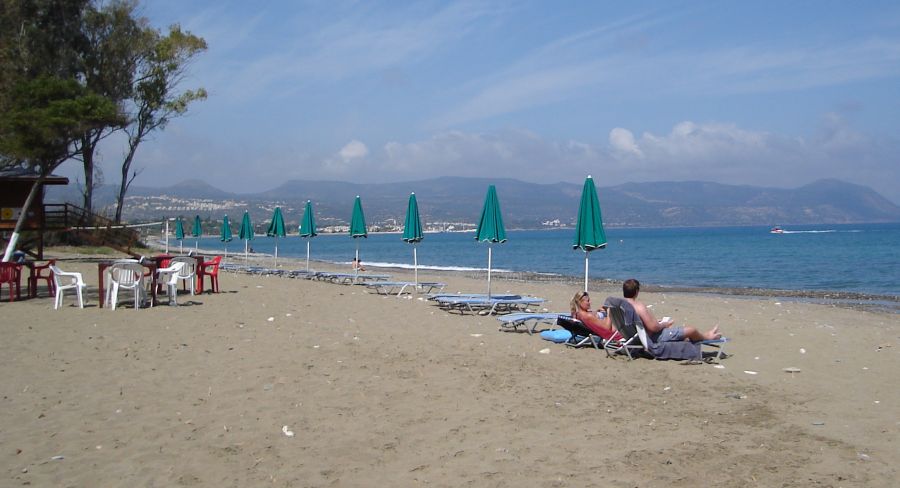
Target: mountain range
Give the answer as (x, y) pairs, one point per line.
(524, 205)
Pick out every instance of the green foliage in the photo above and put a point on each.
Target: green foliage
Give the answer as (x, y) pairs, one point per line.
(155, 95)
(44, 117)
(116, 42)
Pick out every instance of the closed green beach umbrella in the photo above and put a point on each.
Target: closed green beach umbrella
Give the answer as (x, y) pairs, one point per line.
(358, 226)
(276, 229)
(179, 234)
(490, 226)
(308, 228)
(246, 233)
(589, 234)
(197, 231)
(225, 235)
(412, 231)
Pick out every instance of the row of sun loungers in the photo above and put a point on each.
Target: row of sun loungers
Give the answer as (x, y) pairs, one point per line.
(333, 277)
(381, 284)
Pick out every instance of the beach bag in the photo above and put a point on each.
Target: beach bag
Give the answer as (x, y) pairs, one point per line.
(556, 335)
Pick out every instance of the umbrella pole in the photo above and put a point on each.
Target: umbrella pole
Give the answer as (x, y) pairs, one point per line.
(356, 268)
(181, 246)
(416, 267)
(586, 254)
(246, 246)
(307, 255)
(167, 236)
(276, 251)
(489, 272)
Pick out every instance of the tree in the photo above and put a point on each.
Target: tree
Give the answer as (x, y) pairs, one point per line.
(155, 99)
(116, 41)
(38, 37)
(43, 106)
(45, 116)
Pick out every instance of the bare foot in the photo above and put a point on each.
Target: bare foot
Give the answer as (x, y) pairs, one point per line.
(713, 334)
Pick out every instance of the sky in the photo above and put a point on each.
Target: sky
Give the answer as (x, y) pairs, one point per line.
(763, 93)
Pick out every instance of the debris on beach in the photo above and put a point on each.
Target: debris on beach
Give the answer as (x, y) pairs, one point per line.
(57, 458)
(271, 319)
(818, 422)
(802, 351)
(544, 351)
(750, 372)
(287, 431)
(476, 335)
(736, 395)
(791, 370)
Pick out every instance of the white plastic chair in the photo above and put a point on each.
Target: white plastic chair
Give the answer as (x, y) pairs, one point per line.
(188, 271)
(67, 280)
(169, 277)
(128, 276)
(107, 280)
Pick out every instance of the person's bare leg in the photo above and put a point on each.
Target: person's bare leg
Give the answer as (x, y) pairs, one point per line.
(695, 335)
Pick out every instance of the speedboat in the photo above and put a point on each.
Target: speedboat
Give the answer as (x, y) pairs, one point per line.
(776, 230)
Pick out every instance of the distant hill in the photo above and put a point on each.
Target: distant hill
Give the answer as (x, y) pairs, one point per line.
(524, 205)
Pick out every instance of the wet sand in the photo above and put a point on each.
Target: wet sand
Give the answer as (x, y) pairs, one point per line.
(386, 391)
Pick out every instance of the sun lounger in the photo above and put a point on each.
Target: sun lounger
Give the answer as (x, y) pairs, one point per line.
(399, 287)
(581, 335)
(437, 296)
(486, 305)
(350, 278)
(512, 321)
(370, 277)
(300, 273)
(630, 343)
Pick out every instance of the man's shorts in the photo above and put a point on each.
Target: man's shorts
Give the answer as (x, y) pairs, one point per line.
(671, 334)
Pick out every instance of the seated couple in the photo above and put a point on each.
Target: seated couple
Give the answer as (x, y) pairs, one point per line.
(658, 332)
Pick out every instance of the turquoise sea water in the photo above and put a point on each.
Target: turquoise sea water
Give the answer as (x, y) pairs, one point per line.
(861, 258)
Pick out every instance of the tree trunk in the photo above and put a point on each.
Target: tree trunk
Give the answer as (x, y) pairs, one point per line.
(14, 238)
(126, 182)
(87, 158)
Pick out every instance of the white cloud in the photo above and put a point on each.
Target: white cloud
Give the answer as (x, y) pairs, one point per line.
(622, 141)
(353, 150)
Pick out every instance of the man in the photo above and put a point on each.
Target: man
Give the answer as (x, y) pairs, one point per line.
(663, 331)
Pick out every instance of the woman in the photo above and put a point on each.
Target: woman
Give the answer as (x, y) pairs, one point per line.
(581, 310)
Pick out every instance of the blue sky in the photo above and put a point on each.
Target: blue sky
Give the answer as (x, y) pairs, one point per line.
(758, 93)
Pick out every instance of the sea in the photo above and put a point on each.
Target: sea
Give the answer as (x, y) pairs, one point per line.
(853, 262)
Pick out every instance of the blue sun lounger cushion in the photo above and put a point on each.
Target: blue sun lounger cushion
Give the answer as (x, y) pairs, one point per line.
(558, 336)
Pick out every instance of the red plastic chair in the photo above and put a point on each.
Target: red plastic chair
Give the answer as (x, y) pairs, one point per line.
(38, 274)
(9, 273)
(211, 269)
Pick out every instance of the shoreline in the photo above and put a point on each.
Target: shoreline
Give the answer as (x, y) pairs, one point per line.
(845, 299)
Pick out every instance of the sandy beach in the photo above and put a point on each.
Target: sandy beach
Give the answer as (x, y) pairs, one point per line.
(386, 391)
